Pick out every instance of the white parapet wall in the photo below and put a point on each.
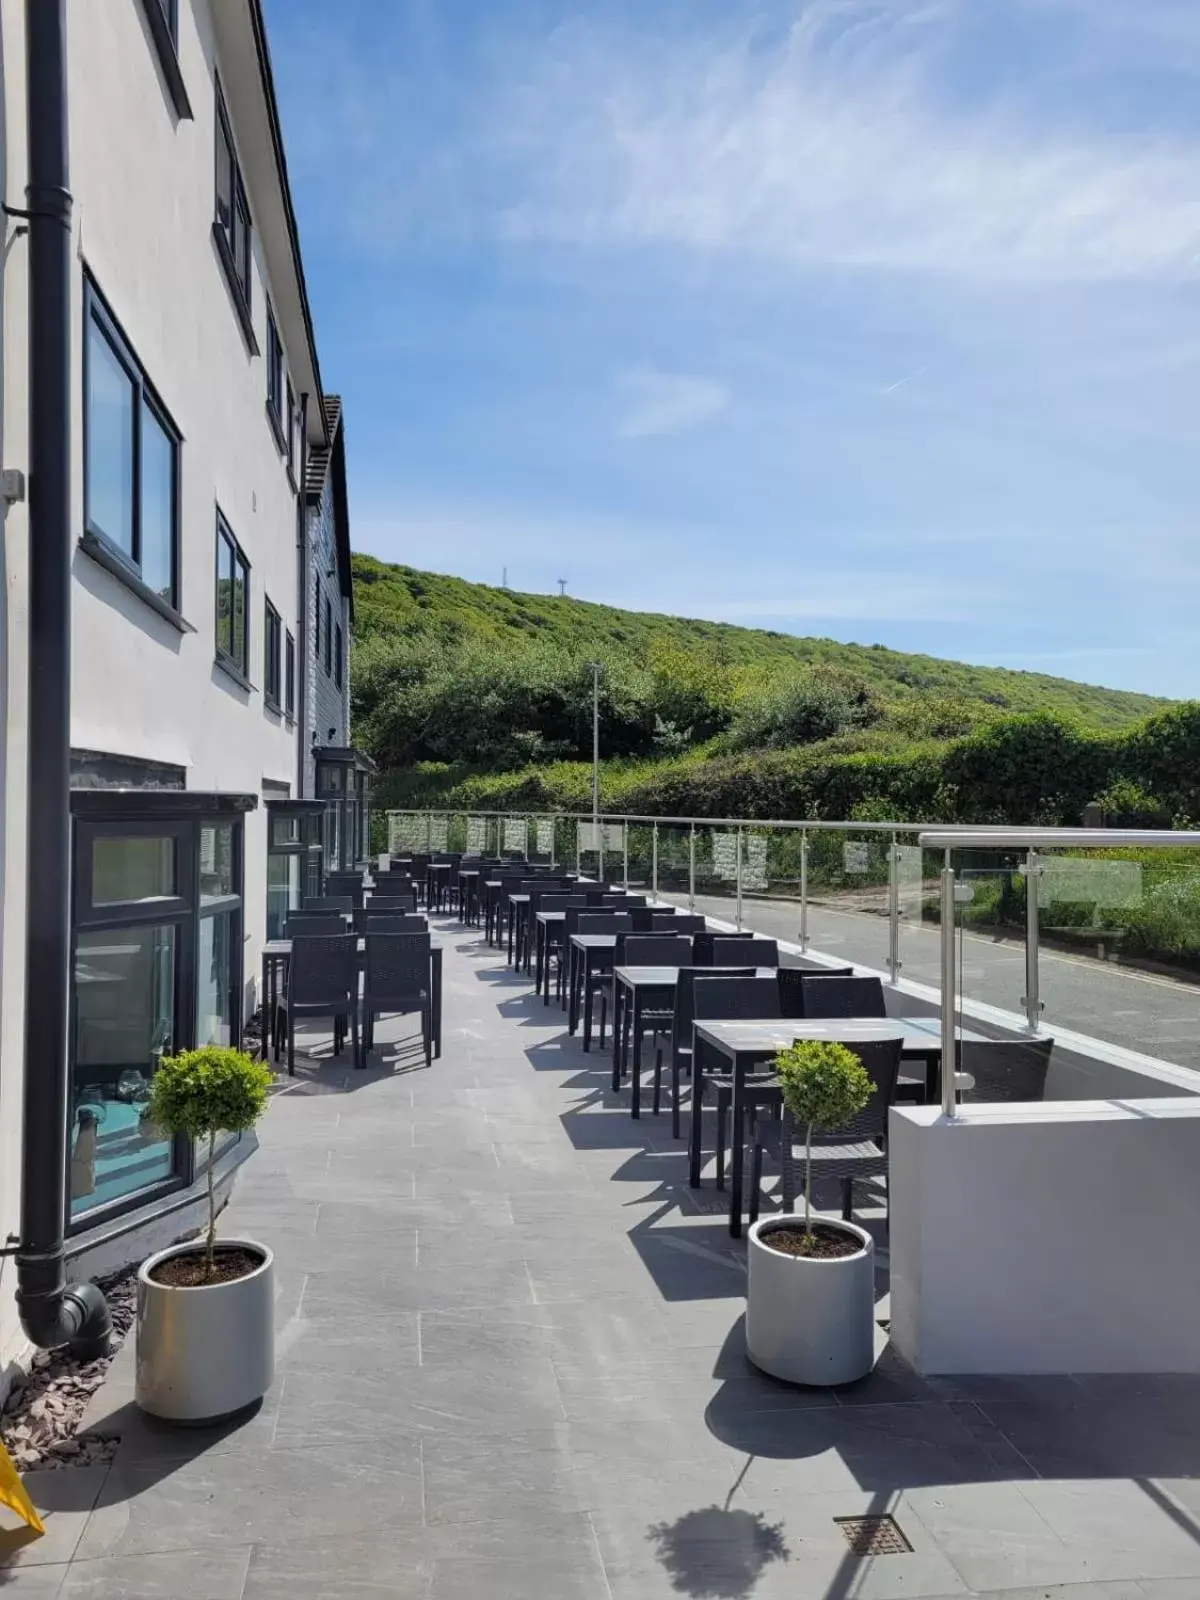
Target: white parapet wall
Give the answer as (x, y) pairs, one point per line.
(1048, 1238)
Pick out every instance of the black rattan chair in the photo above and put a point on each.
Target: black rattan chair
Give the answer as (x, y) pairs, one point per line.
(855, 1152)
(302, 923)
(681, 1042)
(370, 920)
(322, 981)
(1005, 1069)
(345, 883)
(398, 979)
(830, 998)
(744, 950)
(791, 986)
(330, 902)
(719, 999)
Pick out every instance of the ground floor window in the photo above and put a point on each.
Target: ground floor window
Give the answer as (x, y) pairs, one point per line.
(293, 859)
(157, 968)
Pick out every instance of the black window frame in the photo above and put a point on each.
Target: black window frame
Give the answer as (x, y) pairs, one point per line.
(293, 429)
(275, 380)
(328, 637)
(272, 657)
(317, 597)
(228, 660)
(162, 19)
(235, 240)
(127, 565)
(181, 817)
(339, 661)
(289, 676)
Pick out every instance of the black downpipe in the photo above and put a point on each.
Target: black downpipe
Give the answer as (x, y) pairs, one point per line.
(52, 1312)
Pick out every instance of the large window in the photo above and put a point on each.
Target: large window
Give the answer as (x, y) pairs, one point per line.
(233, 611)
(274, 374)
(131, 477)
(293, 430)
(289, 677)
(156, 969)
(170, 11)
(233, 214)
(272, 666)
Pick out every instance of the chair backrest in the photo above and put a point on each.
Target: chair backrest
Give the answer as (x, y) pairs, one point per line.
(791, 986)
(345, 883)
(842, 997)
(370, 920)
(602, 922)
(330, 902)
(685, 1000)
(1005, 1069)
(393, 898)
(721, 999)
(881, 1058)
(323, 970)
(676, 922)
(397, 966)
(653, 950)
(301, 923)
(744, 950)
(549, 900)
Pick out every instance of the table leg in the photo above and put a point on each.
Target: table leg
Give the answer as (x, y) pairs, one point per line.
(695, 1129)
(512, 925)
(588, 996)
(573, 991)
(635, 1087)
(436, 985)
(618, 1031)
(737, 1150)
(539, 942)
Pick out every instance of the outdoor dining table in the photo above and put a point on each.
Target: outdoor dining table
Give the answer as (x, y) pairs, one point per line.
(589, 953)
(275, 956)
(632, 987)
(468, 893)
(437, 884)
(546, 920)
(746, 1044)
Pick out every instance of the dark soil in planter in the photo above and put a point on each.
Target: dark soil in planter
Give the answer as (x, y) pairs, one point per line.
(190, 1271)
(825, 1244)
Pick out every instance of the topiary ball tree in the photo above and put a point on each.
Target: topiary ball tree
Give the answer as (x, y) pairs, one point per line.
(824, 1086)
(200, 1093)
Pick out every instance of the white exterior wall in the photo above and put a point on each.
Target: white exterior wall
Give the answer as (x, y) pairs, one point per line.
(144, 195)
(1046, 1238)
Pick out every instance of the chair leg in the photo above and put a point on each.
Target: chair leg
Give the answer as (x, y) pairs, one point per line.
(722, 1112)
(675, 1122)
(847, 1199)
(427, 1030)
(603, 1014)
(360, 1059)
(658, 1080)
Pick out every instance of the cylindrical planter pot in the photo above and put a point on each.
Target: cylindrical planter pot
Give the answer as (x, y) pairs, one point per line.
(811, 1320)
(207, 1352)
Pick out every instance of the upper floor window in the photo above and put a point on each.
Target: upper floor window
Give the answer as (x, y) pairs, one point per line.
(170, 11)
(328, 638)
(274, 373)
(317, 617)
(232, 221)
(233, 610)
(293, 430)
(162, 20)
(131, 460)
(289, 677)
(272, 665)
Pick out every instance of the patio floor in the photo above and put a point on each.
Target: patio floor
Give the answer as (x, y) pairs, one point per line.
(511, 1365)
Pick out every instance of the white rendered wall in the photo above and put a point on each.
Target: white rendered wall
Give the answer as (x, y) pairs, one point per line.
(1046, 1238)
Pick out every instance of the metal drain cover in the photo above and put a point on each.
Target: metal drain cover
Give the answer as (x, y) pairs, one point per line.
(874, 1536)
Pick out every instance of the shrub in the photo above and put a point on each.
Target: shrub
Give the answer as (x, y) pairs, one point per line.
(200, 1093)
(824, 1086)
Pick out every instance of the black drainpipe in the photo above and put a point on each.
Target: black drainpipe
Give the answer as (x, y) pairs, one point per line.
(52, 1312)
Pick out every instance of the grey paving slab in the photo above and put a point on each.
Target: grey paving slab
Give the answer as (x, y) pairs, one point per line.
(511, 1362)
(64, 1501)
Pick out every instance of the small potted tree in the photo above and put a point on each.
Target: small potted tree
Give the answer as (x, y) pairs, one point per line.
(206, 1311)
(810, 1309)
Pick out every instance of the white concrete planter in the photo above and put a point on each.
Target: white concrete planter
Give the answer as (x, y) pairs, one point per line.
(207, 1352)
(811, 1321)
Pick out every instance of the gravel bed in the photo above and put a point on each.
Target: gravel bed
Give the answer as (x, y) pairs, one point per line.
(45, 1406)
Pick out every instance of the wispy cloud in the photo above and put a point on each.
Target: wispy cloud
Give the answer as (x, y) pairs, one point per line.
(668, 402)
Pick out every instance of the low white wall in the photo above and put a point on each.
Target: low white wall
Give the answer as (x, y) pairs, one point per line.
(1046, 1238)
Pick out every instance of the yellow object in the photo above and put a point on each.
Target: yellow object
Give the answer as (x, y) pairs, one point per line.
(13, 1493)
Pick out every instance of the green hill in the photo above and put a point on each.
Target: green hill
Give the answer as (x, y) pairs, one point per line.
(400, 601)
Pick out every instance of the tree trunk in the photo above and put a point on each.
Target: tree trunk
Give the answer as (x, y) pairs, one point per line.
(210, 1268)
(808, 1180)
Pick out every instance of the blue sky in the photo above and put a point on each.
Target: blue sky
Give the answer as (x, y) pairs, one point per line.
(875, 319)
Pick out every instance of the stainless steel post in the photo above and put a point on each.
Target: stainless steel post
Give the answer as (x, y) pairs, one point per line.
(1032, 1000)
(804, 888)
(553, 842)
(692, 869)
(949, 991)
(625, 855)
(527, 822)
(598, 846)
(739, 880)
(654, 861)
(894, 910)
